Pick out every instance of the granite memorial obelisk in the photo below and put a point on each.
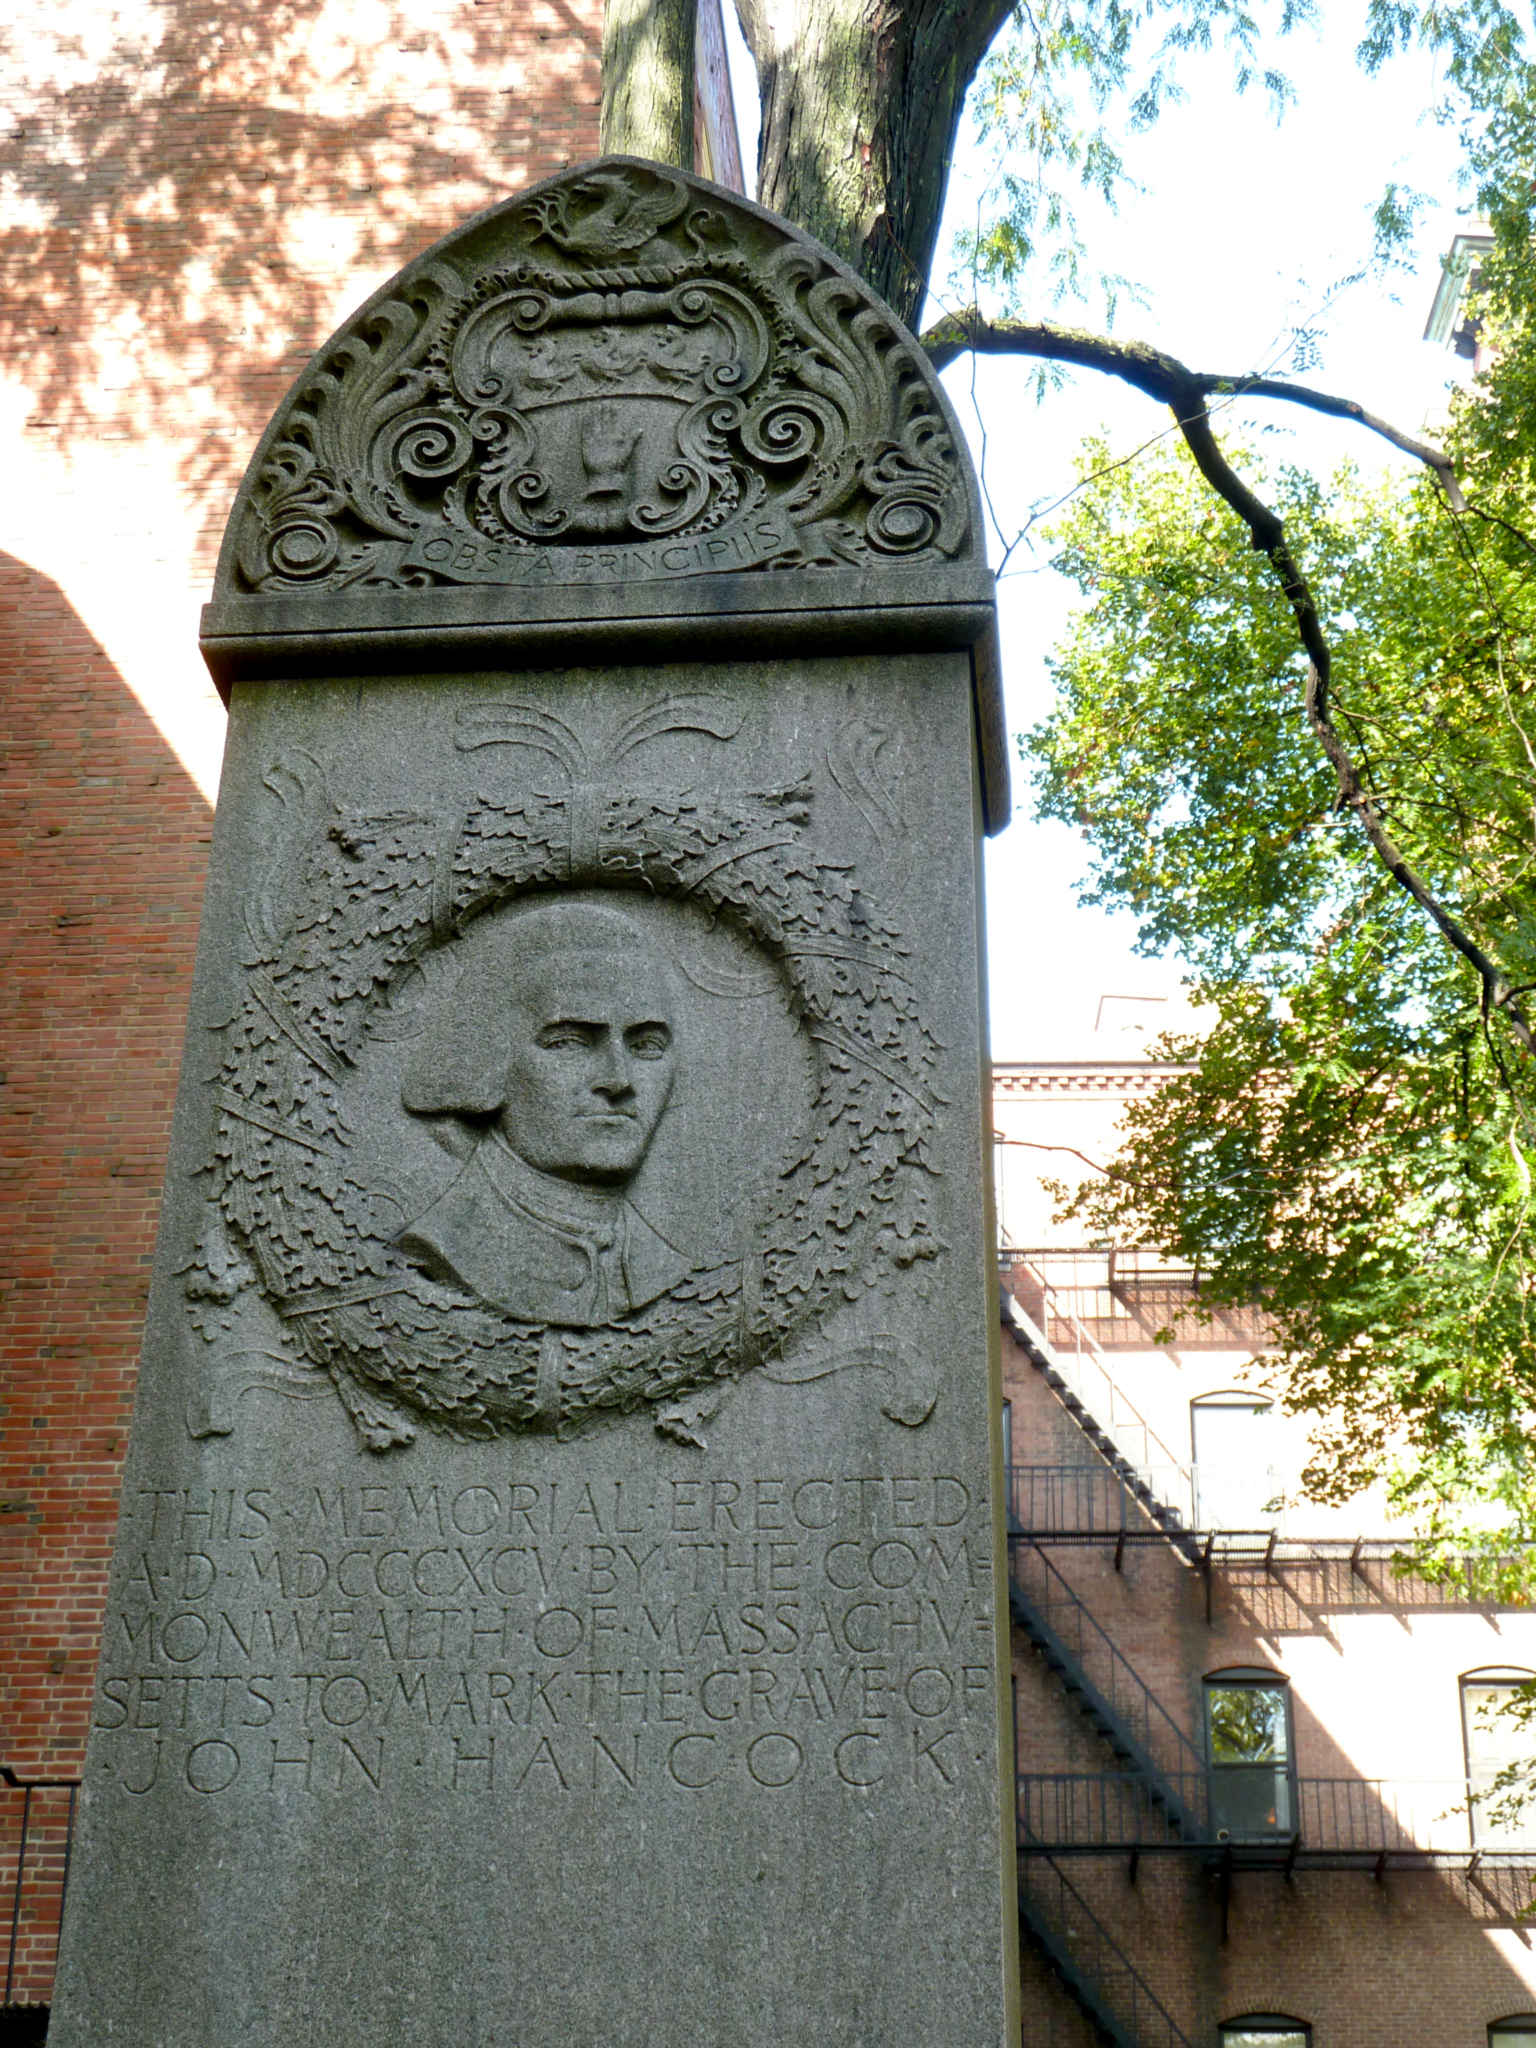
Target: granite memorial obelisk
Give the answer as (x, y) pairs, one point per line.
(559, 1592)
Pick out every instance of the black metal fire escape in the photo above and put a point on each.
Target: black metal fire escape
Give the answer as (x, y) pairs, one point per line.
(1093, 1970)
(1106, 1690)
(1157, 1800)
(1110, 1442)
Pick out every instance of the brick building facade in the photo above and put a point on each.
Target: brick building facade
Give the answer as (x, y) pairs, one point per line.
(1250, 1750)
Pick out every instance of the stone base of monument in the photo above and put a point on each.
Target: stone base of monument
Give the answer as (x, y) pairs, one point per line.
(558, 1590)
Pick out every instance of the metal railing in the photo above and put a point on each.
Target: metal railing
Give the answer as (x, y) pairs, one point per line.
(1314, 1820)
(1078, 1504)
(1101, 1811)
(1086, 1378)
(1088, 1652)
(1084, 1502)
(35, 1834)
(1125, 1296)
(1087, 1505)
(1426, 1816)
(1096, 1970)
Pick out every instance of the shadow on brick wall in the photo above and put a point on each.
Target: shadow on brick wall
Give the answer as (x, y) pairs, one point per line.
(104, 841)
(23, 2026)
(197, 181)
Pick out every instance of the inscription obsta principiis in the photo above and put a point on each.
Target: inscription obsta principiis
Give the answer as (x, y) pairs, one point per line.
(644, 379)
(594, 1637)
(531, 1291)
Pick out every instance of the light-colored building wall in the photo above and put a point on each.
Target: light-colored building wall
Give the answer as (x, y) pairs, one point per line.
(1054, 1127)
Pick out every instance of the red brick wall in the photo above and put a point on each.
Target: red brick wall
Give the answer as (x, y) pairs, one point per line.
(103, 850)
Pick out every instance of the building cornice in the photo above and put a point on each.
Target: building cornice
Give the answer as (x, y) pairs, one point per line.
(1082, 1077)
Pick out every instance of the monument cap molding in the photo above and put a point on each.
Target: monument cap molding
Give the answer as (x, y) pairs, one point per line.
(624, 415)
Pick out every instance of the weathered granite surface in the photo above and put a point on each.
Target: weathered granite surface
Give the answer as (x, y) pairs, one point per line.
(559, 1590)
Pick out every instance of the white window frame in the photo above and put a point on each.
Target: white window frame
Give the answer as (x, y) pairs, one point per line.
(1491, 1836)
(1281, 2028)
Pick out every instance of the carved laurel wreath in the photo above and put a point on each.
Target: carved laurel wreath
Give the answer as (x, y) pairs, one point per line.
(369, 897)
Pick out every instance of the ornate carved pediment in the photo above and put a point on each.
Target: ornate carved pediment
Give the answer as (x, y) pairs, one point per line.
(624, 375)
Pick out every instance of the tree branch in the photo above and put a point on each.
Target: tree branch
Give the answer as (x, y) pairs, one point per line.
(1164, 377)
(1497, 993)
(1109, 1173)
(1268, 536)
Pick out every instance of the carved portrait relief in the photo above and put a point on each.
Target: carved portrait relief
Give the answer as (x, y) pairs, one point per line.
(582, 1098)
(552, 1051)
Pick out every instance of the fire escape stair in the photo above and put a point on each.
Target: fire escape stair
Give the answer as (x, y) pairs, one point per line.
(1088, 1962)
(1099, 1712)
(1041, 1354)
(1094, 1971)
(1084, 1976)
(1079, 1984)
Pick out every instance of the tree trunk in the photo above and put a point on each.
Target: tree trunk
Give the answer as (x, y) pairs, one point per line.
(860, 103)
(648, 80)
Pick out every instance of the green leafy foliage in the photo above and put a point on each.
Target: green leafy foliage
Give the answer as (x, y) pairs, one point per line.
(1351, 1141)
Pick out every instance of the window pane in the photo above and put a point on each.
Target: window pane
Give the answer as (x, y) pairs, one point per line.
(1250, 1769)
(1495, 1738)
(1250, 1802)
(1264, 2037)
(1247, 1723)
(1495, 1741)
(1235, 1477)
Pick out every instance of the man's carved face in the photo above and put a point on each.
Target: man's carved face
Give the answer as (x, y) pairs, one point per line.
(591, 1061)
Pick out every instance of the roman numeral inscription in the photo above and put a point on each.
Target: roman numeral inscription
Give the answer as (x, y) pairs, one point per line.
(601, 1636)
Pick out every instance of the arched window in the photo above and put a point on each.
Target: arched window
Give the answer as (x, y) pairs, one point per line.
(1237, 1481)
(1248, 1744)
(1501, 1749)
(1265, 2030)
(1518, 2031)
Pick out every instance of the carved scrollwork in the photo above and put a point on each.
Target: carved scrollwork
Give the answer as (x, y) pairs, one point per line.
(379, 905)
(625, 359)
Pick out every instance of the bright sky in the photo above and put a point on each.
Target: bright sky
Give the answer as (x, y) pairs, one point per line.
(1241, 229)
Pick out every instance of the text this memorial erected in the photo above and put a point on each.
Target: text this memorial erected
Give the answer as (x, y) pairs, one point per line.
(557, 1591)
